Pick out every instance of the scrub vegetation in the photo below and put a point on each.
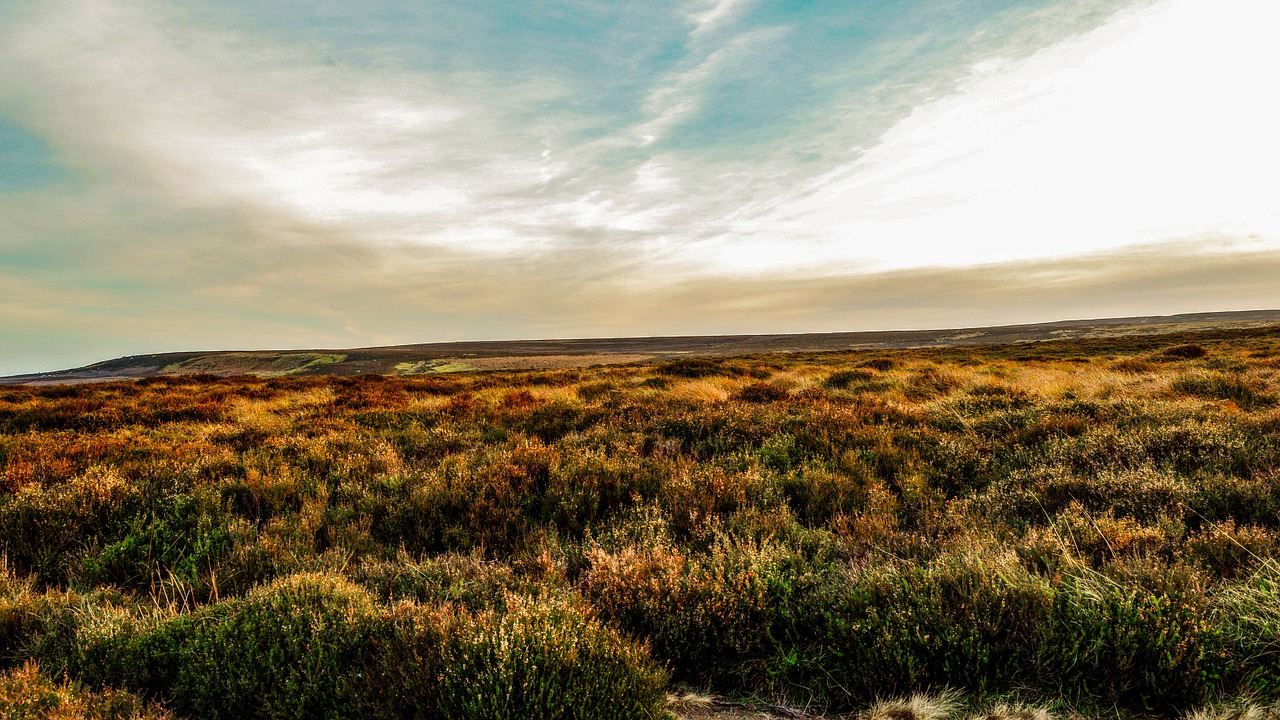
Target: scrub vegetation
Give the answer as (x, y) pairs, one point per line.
(1088, 527)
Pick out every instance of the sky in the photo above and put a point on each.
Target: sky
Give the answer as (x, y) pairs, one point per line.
(183, 175)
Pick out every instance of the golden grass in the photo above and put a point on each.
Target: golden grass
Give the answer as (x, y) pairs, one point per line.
(940, 706)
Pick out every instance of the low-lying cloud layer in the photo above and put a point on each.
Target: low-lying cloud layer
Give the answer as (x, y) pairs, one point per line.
(340, 176)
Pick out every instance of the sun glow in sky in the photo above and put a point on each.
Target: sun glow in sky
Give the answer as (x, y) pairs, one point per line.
(181, 175)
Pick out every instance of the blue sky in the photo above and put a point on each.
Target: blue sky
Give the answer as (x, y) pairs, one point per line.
(183, 175)
(26, 162)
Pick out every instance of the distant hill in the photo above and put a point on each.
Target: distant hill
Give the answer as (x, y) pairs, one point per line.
(545, 354)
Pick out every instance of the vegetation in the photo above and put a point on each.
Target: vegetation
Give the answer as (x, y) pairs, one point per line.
(1092, 525)
(28, 694)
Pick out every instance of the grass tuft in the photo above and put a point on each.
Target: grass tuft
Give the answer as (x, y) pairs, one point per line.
(919, 706)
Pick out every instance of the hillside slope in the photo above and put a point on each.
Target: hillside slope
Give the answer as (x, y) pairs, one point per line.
(432, 358)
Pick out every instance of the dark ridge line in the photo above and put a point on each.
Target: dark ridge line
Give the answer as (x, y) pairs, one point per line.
(381, 359)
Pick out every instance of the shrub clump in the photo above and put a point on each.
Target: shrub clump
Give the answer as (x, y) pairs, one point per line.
(762, 392)
(1249, 618)
(545, 659)
(887, 629)
(1134, 637)
(1241, 390)
(694, 368)
(317, 645)
(1189, 351)
(842, 379)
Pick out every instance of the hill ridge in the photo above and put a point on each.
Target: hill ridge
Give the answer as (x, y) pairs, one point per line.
(426, 358)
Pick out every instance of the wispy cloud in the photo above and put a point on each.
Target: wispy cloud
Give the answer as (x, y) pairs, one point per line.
(214, 118)
(715, 15)
(680, 95)
(1116, 138)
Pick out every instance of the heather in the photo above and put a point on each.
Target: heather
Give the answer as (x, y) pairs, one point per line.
(1092, 525)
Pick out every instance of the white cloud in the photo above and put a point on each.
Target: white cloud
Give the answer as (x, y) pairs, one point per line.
(139, 93)
(716, 15)
(1158, 125)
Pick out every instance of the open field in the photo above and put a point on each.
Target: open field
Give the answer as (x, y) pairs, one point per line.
(433, 358)
(1088, 527)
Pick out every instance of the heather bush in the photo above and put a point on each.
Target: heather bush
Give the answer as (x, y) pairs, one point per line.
(317, 645)
(291, 649)
(715, 615)
(45, 526)
(467, 581)
(762, 392)
(1188, 351)
(36, 624)
(545, 658)
(889, 629)
(1248, 618)
(842, 379)
(1228, 550)
(1244, 391)
(1253, 500)
(1137, 637)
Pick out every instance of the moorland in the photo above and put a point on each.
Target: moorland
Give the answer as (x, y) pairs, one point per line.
(1088, 526)
(446, 357)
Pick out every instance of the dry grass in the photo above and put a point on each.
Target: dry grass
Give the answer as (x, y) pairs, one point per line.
(27, 694)
(1237, 711)
(1014, 712)
(941, 706)
(706, 390)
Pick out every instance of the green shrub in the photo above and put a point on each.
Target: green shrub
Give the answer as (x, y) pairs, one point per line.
(693, 368)
(1248, 617)
(591, 392)
(181, 536)
(545, 659)
(555, 420)
(289, 650)
(585, 486)
(36, 625)
(713, 432)
(1229, 550)
(463, 503)
(318, 646)
(818, 495)
(762, 392)
(1254, 501)
(468, 581)
(723, 617)
(885, 630)
(881, 363)
(1243, 391)
(1137, 638)
(929, 382)
(1144, 494)
(1189, 351)
(45, 524)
